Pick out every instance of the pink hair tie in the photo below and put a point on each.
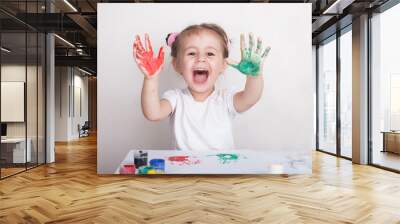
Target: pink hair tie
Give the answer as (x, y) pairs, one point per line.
(171, 38)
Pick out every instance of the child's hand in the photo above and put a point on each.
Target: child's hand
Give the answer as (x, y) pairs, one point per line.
(252, 61)
(149, 65)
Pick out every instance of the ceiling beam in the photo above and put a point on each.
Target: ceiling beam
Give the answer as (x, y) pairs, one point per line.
(85, 61)
(337, 6)
(85, 25)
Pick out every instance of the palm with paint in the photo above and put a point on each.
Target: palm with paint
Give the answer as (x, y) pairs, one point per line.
(144, 57)
(252, 60)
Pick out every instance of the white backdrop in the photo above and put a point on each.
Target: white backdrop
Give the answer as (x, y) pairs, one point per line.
(12, 101)
(282, 119)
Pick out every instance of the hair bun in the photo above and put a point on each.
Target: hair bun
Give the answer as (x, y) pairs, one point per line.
(171, 37)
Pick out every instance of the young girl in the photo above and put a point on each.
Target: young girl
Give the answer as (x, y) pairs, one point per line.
(201, 116)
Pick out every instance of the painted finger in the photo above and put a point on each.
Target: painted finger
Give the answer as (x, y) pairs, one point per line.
(266, 52)
(134, 51)
(160, 58)
(159, 69)
(138, 60)
(161, 53)
(242, 45)
(259, 46)
(148, 46)
(140, 56)
(251, 42)
(134, 43)
(140, 53)
(138, 44)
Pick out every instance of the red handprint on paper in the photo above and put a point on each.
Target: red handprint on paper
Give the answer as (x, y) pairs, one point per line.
(145, 59)
(182, 160)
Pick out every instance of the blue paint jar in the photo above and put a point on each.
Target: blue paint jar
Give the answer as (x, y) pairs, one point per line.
(158, 165)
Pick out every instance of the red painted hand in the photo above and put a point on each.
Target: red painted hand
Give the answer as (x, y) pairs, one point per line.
(144, 57)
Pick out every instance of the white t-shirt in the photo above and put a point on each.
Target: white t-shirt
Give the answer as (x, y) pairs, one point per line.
(203, 125)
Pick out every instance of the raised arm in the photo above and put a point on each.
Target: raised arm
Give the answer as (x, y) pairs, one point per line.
(251, 94)
(251, 65)
(153, 108)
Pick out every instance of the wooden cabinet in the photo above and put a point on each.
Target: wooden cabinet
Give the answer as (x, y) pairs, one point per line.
(391, 142)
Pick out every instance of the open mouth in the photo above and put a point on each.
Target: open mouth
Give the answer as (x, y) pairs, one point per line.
(200, 76)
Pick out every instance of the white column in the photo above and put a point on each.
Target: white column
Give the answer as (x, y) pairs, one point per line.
(63, 112)
(50, 100)
(50, 92)
(360, 90)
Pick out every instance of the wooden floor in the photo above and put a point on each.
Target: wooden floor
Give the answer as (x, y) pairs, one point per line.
(10, 171)
(70, 191)
(387, 159)
(5, 172)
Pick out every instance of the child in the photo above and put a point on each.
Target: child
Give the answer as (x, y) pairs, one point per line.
(201, 116)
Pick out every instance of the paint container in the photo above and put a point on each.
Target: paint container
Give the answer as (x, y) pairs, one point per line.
(158, 165)
(140, 159)
(151, 171)
(144, 169)
(127, 169)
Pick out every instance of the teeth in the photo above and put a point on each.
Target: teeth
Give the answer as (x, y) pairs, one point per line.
(200, 69)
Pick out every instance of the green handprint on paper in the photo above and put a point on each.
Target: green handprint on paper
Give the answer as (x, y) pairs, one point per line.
(251, 61)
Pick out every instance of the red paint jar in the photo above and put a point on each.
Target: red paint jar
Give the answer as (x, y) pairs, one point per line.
(127, 169)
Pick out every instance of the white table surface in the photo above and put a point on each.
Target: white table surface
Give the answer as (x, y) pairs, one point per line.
(19, 151)
(214, 162)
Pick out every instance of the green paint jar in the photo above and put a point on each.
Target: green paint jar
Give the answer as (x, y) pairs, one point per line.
(144, 169)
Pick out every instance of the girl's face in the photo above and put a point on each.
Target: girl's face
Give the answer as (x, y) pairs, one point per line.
(200, 60)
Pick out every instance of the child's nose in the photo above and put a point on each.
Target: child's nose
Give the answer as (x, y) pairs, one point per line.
(202, 58)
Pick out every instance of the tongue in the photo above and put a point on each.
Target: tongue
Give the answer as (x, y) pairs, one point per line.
(200, 78)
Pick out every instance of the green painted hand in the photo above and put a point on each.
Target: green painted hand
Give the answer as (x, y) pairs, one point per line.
(252, 60)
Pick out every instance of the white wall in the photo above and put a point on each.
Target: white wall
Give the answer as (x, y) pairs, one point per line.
(68, 80)
(81, 84)
(15, 73)
(62, 80)
(33, 127)
(282, 120)
(314, 73)
(12, 73)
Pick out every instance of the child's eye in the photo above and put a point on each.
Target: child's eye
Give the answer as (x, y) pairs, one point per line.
(191, 53)
(210, 54)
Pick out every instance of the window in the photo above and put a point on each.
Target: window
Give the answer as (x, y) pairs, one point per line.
(22, 63)
(346, 93)
(385, 88)
(327, 96)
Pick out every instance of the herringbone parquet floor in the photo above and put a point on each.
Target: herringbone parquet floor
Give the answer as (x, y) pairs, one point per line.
(70, 191)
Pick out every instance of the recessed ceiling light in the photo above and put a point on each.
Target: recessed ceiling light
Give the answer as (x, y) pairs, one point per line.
(64, 40)
(70, 5)
(84, 71)
(5, 50)
(338, 6)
